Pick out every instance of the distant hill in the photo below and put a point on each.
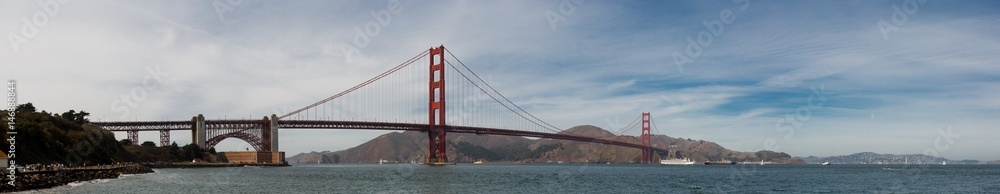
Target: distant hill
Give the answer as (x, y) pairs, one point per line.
(876, 158)
(412, 146)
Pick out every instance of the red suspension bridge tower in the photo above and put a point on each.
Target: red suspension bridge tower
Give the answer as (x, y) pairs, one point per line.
(436, 133)
(647, 154)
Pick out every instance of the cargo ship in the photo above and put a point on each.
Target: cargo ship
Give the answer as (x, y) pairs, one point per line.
(677, 162)
(720, 162)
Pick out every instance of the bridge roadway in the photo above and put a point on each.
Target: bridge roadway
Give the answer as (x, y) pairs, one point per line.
(311, 124)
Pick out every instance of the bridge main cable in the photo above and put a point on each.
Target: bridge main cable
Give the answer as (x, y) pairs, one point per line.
(363, 84)
(547, 126)
(356, 87)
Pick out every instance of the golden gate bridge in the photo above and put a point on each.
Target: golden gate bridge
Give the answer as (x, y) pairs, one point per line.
(395, 100)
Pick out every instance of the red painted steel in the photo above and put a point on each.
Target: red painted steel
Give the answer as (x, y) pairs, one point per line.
(647, 154)
(164, 137)
(436, 109)
(213, 125)
(133, 136)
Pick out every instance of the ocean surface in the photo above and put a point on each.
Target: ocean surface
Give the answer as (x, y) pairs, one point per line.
(556, 178)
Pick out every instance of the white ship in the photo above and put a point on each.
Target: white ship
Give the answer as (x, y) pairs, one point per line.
(677, 161)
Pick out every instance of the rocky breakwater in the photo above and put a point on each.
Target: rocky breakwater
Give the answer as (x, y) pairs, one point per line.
(32, 180)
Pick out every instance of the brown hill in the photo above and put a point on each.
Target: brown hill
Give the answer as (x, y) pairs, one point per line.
(405, 147)
(412, 146)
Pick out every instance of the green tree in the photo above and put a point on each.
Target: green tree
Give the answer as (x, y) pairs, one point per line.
(27, 107)
(81, 117)
(191, 151)
(126, 142)
(78, 117)
(175, 151)
(68, 115)
(148, 144)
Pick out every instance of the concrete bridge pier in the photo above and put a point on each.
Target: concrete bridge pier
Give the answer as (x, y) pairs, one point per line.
(274, 133)
(198, 134)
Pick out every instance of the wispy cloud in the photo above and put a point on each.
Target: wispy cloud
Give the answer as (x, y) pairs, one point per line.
(606, 60)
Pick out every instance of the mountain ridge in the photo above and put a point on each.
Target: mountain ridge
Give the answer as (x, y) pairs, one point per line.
(411, 146)
(877, 158)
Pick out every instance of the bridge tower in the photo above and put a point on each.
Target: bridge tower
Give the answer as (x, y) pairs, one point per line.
(436, 116)
(133, 135)
(274, 133)
(164, 138)
(647, 154)
(265, 134)
(199, 131)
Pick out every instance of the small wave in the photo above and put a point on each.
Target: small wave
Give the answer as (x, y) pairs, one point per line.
(75, 184)
(95, 181)
(67, 187)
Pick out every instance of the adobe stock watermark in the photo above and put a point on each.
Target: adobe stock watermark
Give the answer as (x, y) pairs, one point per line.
(566, 8)
(223, 7)
(792, 121)
(713, 29)
(795, 119)
(899, 17)
(12, 132)
(38, 21)
(615, 124)
(469, 105)
(739, 177)
(942, 143)
(77, 152)
(363, 35)
(155, 79)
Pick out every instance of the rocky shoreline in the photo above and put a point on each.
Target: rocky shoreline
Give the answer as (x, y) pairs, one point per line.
(48, 179)
(213, 165)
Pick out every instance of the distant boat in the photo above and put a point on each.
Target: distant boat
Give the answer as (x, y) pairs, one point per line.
(381, 161)
(677, 162)
(478, 162)
(720, 162)
(944, 163)
(827, 163)
(762, 162)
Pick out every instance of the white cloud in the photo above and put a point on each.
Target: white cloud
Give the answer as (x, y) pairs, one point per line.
(937, 70)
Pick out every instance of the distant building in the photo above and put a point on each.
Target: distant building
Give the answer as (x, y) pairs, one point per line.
(254, 157)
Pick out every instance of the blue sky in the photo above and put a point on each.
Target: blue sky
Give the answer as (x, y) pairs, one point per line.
(898, 87)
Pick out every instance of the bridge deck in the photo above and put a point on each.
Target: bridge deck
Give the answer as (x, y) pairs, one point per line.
(311, 124)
